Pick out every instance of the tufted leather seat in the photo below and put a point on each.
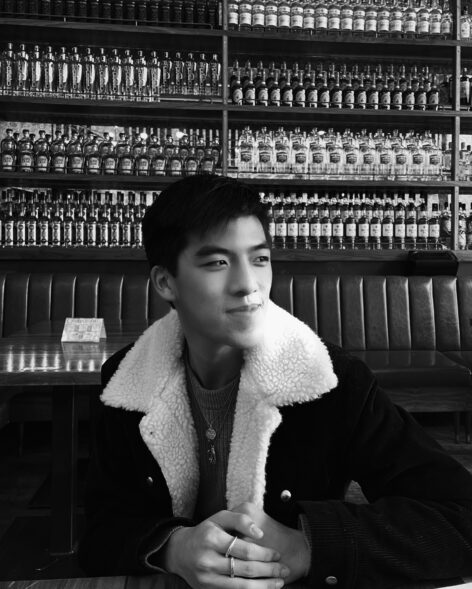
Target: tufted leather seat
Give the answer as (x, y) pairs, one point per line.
(414, 332)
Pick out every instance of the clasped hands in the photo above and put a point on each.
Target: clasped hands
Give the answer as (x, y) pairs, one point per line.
(266, 554)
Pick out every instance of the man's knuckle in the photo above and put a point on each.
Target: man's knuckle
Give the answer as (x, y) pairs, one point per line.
(204, 564)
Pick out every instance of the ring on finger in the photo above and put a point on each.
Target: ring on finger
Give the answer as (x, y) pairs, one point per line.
(231, 567)
(230, 547)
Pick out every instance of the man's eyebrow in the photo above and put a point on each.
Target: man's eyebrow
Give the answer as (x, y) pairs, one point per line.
(208, 250)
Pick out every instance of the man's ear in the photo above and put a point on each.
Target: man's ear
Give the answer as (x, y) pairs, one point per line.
(163, 283)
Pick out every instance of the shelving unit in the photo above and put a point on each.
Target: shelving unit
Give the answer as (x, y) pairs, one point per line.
(219, 113)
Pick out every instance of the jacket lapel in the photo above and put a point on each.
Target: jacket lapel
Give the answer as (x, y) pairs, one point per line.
(290, 366)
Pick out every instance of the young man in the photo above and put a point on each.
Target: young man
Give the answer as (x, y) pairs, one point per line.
(230, 432)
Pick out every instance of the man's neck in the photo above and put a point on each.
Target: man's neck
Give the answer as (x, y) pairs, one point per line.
(216, 369)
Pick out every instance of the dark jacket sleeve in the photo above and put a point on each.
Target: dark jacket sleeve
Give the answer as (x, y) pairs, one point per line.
(418, 522)
(127, 503)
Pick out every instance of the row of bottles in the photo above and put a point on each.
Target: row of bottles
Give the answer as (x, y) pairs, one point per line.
(334, 155)
(363, 221)
(382, 18)
(72, 219)
(336, 86)
(83, 72)
(192, 153)
(193, 13)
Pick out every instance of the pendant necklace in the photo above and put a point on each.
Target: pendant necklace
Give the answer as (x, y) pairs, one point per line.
(210, 432)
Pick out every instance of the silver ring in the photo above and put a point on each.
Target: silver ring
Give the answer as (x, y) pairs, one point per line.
(231, 567)
(230, 547)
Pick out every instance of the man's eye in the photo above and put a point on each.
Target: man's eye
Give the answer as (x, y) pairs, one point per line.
(263, 259)
(216, 263)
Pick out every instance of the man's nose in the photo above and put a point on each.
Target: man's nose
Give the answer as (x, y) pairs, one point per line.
(244, 279)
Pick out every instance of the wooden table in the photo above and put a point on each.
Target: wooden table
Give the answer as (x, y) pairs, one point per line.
(160, 582)
(30, 363)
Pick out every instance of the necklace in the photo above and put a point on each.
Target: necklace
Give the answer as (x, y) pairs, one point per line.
(211, 433)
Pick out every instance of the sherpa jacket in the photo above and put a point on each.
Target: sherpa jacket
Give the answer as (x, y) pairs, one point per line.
(309, 419)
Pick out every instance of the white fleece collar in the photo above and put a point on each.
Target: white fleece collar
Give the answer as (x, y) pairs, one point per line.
(291, 365)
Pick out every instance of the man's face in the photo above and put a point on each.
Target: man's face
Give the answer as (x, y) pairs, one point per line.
(215, 274)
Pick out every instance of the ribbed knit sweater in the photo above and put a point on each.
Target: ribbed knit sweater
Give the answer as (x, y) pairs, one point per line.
(215, 407)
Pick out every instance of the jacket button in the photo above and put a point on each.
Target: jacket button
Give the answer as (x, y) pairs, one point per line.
(285, 496)
(149, 481)
(331, 580)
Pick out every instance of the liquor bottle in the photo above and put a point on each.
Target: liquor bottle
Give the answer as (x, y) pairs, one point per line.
(56, 227)
(154, 69)
(445, 227)
(8, 152)
(214, 75)
(383, 19)
(434, 227)
(358, 18)
(336, 95)
(410, 20)
(201, 75)
(334, 18)
(311, 92)
(262, 92)
(283, 16)
(105, 14)
(372, 98)
(347, 18)
(75, 155)
(462, 227)
(309, 17)
(465, 24)
(94, 11)
(274, 91)
(360, 95)
(176, 75)
(158, 162)
(41, 151)
(128, 81)
(464, 88)
(103, 229)
(296, 17)
(409, 95)
(115, 237)
(292, 228)
(280, 230)
(321, 18)
(245, 15)
(115, 74)
(175, 163)
(25, 153)
(387, 232)
(423, 28)
(326, 231)
(20, 226)
(286, 92)
(130, 10)
(44, 227)
(21, 72)
(68, 237)
(102, 74)
(299, 91)
(370, 18)
(249, 90)
(324, 98)
(48, 71)
(435, 19)
(125, 164)
(78, 230)
(399, 229)
(89, 74)
(411, 235)
(432, 97)
(62, 74)
(385, 95)
(420, 96)
(35, 72)
(142, 163)
(446, 21)
(233, 15)
(190, 163)
(9, 237)
(271, 15)
(76, 73)
(91, 227)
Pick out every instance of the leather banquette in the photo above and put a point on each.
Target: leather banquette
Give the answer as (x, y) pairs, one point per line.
(414, 332)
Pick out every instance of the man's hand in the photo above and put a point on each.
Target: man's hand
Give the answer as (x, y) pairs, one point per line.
(289, 543)
(197, 554)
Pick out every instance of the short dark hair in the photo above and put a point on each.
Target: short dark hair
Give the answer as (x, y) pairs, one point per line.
(195, 205)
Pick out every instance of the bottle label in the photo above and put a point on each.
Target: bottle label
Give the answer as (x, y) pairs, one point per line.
(423, 230)
(300, 157)
(7, 162)
(350, 230)
(423, 26)
(281, 229)
(56, 233)
(114, 233)
(368, 158)
(143, 166)
(67, 233)
(76, 162)
(264, 157)
(410, 25)
(396, 21)
(79, 233)
(299, 98)
(385, 99)
(250, 96)
(334, 19)
(383, 21)
(412, 230)
(400, 159)
(176, 167)
(465, 29)
(287, 96)
(283, 21)
(42, 163)
(238, 96)
(26, 162)
(309, 18)
(20, 233)
(387, 230)
(275, 96)
(93, 165)
(324, 99)
(126, 166)
(58, 163)
(321, 18)
(110, 165)
(409, 100)
(326, 229)
(418, 158)
(263, 96)
(296, 18)
(338, 230)
(337, 99)
(292, 229)
(315, 229)
(334, 157)
(233, 13)
(281, 157)
(433, 99)
(271, 17)
(370, 20)
(397, 99)
(351, 158)
(44, 233)
(158, 167)
(363, 229)
(400, 230)
(9, 233)
(245, 13)
(258, 17)
(362, 99)
(434, 230)
(435, 25)
(358, 23)
(373, 99)
(317, 157)
(312, 97)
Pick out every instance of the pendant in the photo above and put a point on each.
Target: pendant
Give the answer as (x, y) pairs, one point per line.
(211, 454)
(210, 434)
